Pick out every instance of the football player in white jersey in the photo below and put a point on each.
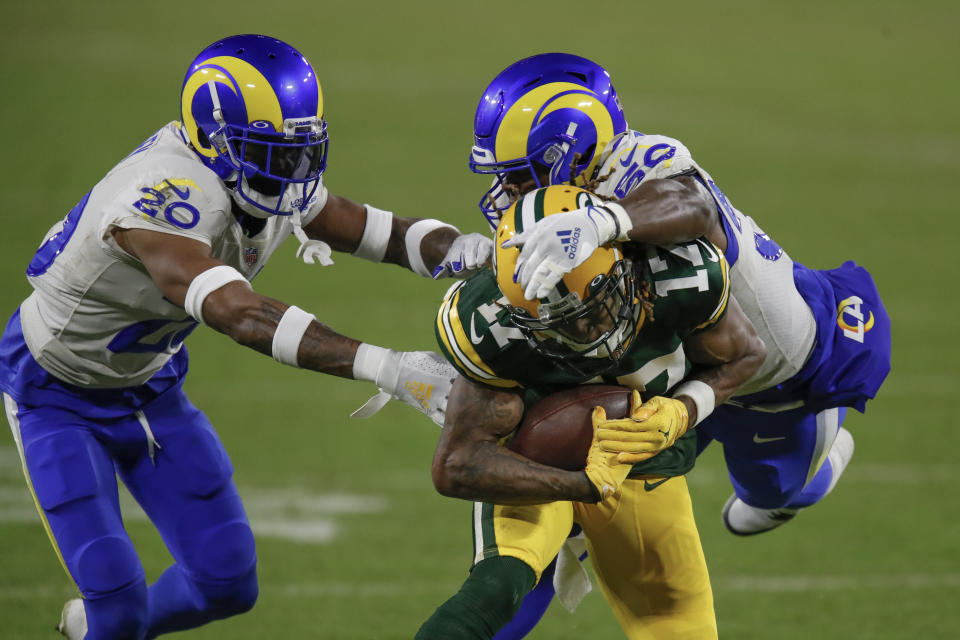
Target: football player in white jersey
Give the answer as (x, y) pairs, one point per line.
(556, 118)
(92, 363)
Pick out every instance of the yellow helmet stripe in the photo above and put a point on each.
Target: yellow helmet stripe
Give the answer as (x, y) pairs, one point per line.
(243, 77)
(725, 294)
(516, 123)
(319, 98)
(460, 348)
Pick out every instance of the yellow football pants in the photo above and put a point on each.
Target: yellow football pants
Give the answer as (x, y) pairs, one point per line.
(644, 547)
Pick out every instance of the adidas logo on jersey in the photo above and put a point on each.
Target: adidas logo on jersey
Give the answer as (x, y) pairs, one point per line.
(421, 391)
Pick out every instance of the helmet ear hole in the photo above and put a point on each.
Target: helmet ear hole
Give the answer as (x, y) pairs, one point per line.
(203, 139)
(588, 153)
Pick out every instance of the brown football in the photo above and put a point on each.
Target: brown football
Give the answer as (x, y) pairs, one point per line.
(557, 431)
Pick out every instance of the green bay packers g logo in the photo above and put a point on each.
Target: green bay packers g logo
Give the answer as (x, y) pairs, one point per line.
(851, 307)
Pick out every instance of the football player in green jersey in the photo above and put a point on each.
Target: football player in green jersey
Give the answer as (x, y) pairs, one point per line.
(657, 320)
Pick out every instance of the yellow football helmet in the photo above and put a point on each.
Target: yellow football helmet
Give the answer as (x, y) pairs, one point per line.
(594, 311)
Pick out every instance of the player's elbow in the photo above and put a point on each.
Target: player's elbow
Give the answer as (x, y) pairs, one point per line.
(247, 329)
(243, 322)
(689, 195)
(451, 474)
(241, 314)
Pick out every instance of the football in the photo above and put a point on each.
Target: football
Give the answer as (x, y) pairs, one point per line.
(557, 430)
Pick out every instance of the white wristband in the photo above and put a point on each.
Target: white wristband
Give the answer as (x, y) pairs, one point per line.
(289, 334)
(621, 218)
(414, 237)
(376, 235)
(702, 395)
(367, 362)
(206, 283)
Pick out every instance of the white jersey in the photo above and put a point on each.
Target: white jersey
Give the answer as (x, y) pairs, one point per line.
(761, 272)
(95, 318)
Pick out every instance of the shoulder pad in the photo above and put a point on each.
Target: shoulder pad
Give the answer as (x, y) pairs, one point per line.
(167, 189)
(632, 157)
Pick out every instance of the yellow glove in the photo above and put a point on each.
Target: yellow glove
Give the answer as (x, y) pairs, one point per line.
(651, 427)
(604, 471)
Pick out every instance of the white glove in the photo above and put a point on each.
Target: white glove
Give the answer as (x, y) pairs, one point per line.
(558, 244)
(421, 379)
(466, 254)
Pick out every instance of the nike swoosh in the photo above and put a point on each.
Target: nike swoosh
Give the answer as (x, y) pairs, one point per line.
(759, 440)
(650, 486)
(474, 338)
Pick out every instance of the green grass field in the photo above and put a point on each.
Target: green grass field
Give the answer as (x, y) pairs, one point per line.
(832, 123)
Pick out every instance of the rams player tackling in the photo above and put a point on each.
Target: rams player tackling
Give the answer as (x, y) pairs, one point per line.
(659, 320)
(555, 119)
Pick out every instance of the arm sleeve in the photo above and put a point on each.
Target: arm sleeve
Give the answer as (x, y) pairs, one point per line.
(633, 158)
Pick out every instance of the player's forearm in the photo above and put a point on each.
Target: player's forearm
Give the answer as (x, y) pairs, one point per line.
(255, 321)
(668, 211)
(379, 236)
(724, 379)
(489, 473)
(410, 247)
(469, 464)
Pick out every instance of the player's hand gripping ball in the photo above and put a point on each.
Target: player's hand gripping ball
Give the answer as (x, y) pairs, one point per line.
(651, 427)
(558, 430)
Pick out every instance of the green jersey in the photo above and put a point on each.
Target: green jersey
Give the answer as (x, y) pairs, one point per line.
(691, 287)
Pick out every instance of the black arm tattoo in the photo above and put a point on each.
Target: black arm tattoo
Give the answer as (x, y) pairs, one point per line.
(469, 462)
(253, 322)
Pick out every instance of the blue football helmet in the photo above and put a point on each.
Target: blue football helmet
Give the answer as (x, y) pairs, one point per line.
(252, 109)
(547, 117)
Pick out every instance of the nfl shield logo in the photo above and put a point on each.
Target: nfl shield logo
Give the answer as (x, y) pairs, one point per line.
(250, 255)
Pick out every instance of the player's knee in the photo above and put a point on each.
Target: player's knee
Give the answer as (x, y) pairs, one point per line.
(487, 601)
(105, 566)
(225, 569)
(225, 552)
(771, 490)
(499, 585)
(773, 496)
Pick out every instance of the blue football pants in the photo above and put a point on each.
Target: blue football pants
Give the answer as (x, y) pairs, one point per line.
(775, 460)
(173, 463)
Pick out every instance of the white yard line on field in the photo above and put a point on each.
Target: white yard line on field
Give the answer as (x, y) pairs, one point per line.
(760, 584)
(373, 590)
(296, 514)
(781, 584)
